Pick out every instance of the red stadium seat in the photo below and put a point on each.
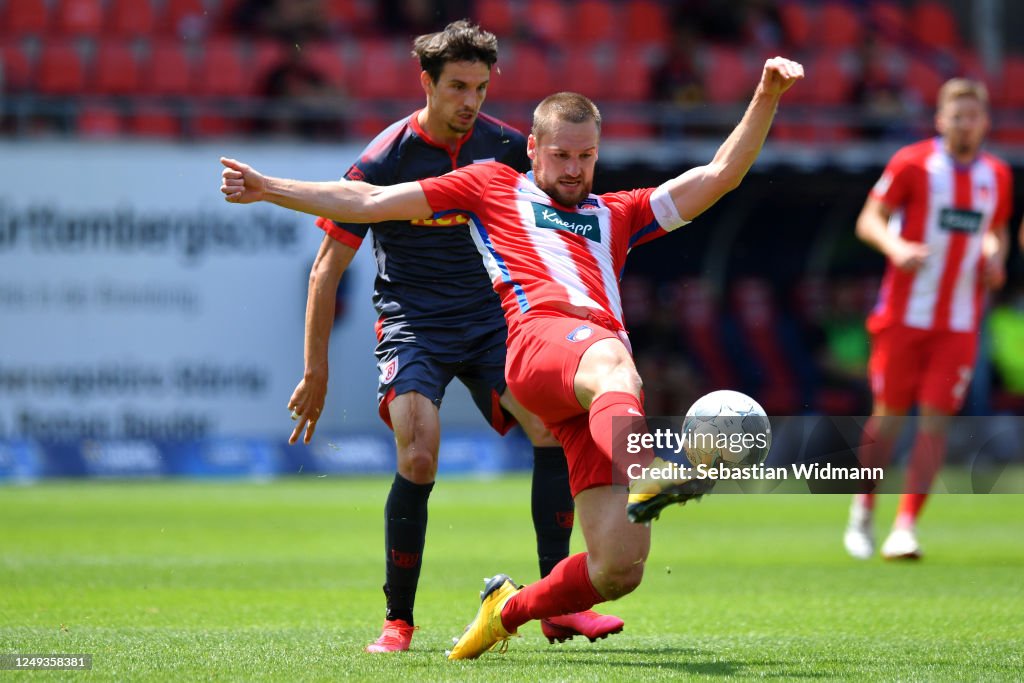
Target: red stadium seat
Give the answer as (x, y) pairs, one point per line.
(131, 18)
(329, 61)
(168, 71)
(829, 80)
(924, 79)
(386, 71)
(155, 122)
(838, 26)
(528, 73)
(99, 121)
(184, 18)
(595, 21)
(797, 23)
(1009, 93)
(496, 16)
(222, 72)
(79, 17)
(888, 20)
(352, 16)
(590, 71)
(728, 78)
(647, 22)
(549, 20)
(631, 77)
(626, 127)
(21, 17)
(60, 70)
(16, 69)
(117, 70)
(933, 24)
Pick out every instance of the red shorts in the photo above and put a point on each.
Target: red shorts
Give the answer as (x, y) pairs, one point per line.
(930, 368)
(544, 352)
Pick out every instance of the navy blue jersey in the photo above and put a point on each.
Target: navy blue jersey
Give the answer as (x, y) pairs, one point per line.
(433, 279)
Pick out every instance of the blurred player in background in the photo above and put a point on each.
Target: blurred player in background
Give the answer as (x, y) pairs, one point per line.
(554, 252)
(439, 319)
(939, 214)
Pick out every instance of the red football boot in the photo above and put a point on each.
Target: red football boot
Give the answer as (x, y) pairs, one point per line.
(587, 623)
(395, 637)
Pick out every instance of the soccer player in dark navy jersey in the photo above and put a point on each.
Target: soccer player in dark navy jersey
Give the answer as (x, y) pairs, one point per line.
(439, 319)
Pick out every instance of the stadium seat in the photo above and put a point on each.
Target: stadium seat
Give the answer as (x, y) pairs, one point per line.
(528, 72)
(24, 17)
(99, 121)
(647, 22)
(326, 57)
(549, 21)
(797, 24)
(221, 71)
(631, 77)
(829, 80)
(591, 72)
(79, 17)
(60, 70)
(351, 16)
(168, 70)
(625, 126)
(888, 20)
(1009, 92)
(728, 78)
(933, 24)
(924, 79)
(153, 121)
(838, 26)
(15, 67)
(184, 19)
(497, 16)
(131, 18)
(595, 21)
(385, 71)
(117, 70)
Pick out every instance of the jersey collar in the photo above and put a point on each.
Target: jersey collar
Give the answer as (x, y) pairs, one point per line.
(414, 123)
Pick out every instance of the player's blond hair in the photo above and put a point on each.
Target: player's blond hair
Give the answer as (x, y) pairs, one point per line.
(956, 88)
(564, 106)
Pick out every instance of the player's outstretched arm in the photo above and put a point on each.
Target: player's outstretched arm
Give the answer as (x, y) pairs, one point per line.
(345, 201)
(307, 401)
(698, 189)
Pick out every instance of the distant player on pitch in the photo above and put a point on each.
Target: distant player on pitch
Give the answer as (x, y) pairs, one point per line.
(438, 319)
(939, 214)
(554, 252)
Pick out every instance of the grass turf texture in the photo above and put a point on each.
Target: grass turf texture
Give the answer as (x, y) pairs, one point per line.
(281, 581)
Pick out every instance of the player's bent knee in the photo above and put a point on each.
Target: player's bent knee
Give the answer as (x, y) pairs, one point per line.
(417, 465)
(616, 580)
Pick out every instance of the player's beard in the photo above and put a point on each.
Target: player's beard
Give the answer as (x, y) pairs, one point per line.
(458, 125)
(569, 198)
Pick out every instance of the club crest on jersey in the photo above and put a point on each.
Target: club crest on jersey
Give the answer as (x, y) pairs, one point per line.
(443, 221)
(589, 202)
(388, 371)
(576, 223)
(581, 333)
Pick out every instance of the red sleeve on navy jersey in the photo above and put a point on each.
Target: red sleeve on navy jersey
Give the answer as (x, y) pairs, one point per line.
(462, 188)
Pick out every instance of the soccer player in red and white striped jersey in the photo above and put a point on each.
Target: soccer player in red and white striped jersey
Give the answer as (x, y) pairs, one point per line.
(939, 214)
(555, 252)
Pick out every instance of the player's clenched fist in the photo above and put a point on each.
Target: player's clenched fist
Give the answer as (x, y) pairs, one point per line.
(780, 74)
(240, 183)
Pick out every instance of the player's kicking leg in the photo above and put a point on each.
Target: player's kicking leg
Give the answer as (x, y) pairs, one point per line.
(553, 514)
(612, 567)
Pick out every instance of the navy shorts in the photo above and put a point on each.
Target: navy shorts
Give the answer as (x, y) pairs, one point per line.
(427, 361)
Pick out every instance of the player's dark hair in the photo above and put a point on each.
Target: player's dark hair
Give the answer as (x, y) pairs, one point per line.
(460, 41)
(564, 106)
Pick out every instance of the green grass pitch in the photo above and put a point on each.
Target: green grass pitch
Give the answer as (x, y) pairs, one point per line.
(180, 580)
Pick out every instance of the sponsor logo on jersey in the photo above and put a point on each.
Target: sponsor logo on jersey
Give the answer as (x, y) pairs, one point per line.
(388, 371)
(445, 221)
(581, 333)
(576, 223)
(960, 220)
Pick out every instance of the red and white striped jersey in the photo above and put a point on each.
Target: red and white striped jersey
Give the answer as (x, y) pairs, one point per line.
(542, 256)
(948, 207)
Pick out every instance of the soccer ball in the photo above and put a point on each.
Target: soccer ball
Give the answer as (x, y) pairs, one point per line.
(726, 427)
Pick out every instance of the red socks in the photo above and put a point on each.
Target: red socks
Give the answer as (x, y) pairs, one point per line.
(610, 434)
(925, 462)
(565, 590)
